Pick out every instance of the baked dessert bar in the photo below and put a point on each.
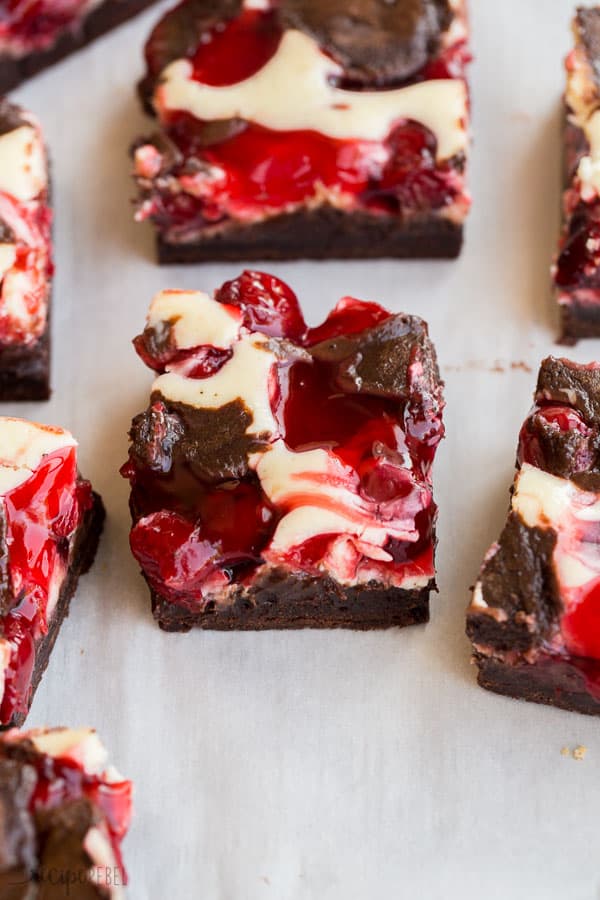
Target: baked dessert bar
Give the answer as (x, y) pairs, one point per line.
(535, 615)
(298, 128)
(50, 523)
(63, 815)
(35, 34)
(281, 476)
(576, 271)
(25, 257)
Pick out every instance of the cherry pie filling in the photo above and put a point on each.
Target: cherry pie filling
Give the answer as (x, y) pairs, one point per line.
(42, 516)
(29, 26)
(580, 623)
(30, 225)
(193, 538)
(62, 780)
(255, 171)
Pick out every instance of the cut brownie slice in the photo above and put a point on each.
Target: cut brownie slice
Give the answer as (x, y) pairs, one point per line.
(50, 523)
(576, 271)
(35, 34)
(63, 815)
(25, 258)
(281, 477)
(535, 615)
(291, 129)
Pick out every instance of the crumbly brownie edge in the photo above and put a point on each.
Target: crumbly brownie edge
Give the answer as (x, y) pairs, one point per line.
(293, 602)
(323, 233)
(553, 682)
(104, 18)
(25, 370)
(83, 557)
(578, 320)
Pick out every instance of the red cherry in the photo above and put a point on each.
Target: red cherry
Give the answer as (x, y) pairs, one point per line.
(268, 304)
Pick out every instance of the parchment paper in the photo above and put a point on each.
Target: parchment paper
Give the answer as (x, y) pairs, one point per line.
(331, 765)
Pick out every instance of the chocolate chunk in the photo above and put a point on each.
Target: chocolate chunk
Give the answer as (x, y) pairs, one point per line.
(379, 361)
(588, 23)
(577, 386)
(17, 835)
(154, 435)
(378, 42)
(63, 859)
(11, 116)
(216, 445)
(519, 580)
(211, 443)
(566, 454)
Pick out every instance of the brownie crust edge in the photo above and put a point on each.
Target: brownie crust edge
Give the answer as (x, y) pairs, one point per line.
(110, 14)
(324, 233)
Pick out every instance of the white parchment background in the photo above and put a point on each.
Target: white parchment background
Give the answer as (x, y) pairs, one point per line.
(324, 765)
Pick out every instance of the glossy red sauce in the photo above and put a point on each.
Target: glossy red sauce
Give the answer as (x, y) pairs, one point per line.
(581, 623)
(188, 531)
(236, 50)
(41, 516)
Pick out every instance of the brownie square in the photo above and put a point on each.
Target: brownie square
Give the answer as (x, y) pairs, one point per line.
(26, 266)
(534, 615)
(281, 475)
(28, 47)
(63, 815)
(50, 524)
(576, 271)
(290, 130)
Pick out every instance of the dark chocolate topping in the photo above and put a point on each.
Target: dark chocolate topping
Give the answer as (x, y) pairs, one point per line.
(154, 435)
(518, 579)
(62, 832)
(566, 454)
(17, 836)
(11, 116)
(378, 361)
(566, 382)
(377, 41)
(212, 443)
(588, 23)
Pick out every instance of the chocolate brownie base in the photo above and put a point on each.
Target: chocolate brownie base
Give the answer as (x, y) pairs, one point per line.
(105, 17)
(25, 370)
(579, 320)
(84, 552)
(282, 601)
(324, 233)
(553, 682)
